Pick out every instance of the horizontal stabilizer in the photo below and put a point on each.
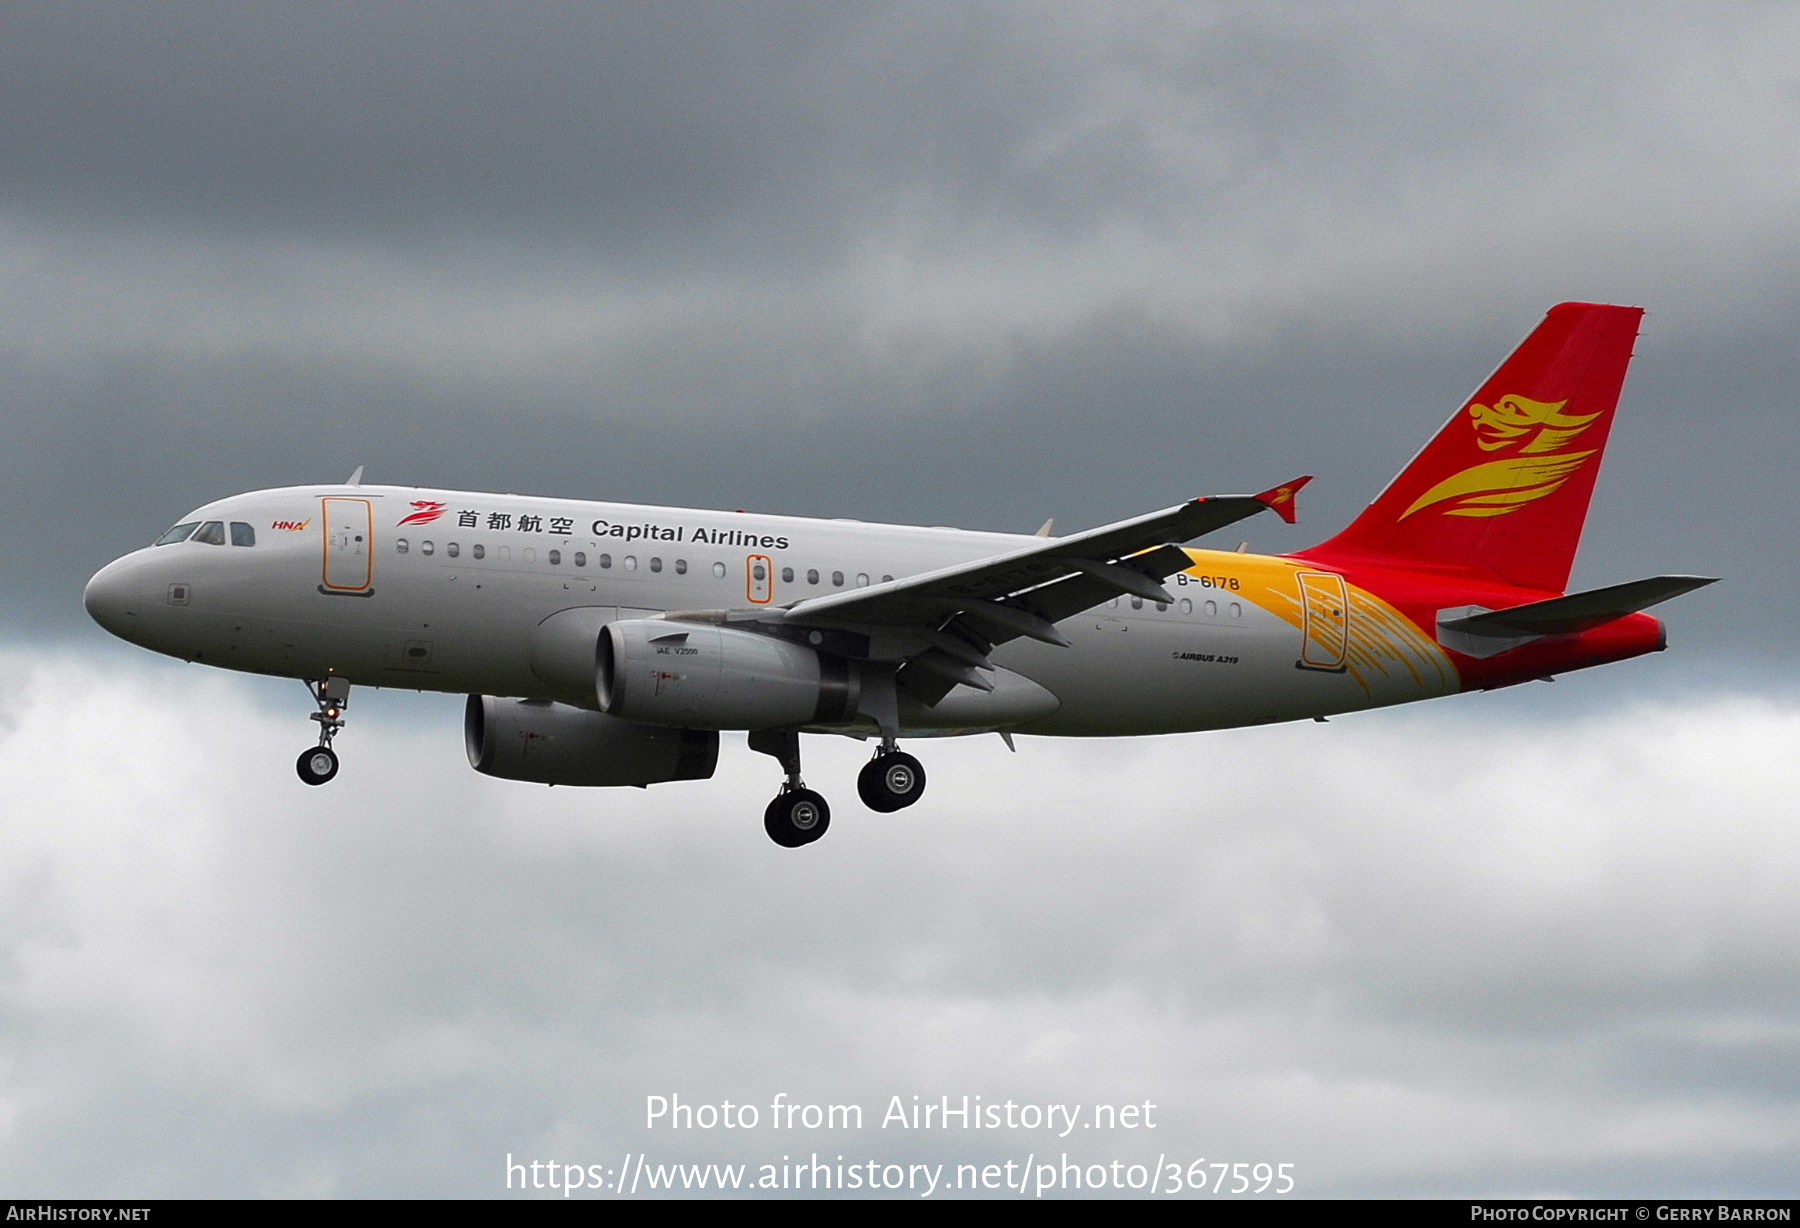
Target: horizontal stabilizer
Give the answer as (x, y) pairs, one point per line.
(1483, 633)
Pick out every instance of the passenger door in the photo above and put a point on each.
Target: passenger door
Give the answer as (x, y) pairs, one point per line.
(1325, 636)
(349, 544)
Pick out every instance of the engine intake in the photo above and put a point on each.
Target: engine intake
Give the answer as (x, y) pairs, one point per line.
(706, 676)
(555, 744)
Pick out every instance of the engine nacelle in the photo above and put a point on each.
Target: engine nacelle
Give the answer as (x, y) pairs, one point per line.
(555, 744)
(707, 676)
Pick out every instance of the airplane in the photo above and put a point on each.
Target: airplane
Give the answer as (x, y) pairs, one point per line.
(608, 644)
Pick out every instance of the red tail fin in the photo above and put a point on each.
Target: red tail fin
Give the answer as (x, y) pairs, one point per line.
(1504, 487)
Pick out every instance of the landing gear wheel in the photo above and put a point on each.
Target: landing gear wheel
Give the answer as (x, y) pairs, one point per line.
(891, 782)
(317, 765)
(796, 817)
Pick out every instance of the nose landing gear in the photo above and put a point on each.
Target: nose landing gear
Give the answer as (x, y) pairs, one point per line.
(319, 764)
(892, 780)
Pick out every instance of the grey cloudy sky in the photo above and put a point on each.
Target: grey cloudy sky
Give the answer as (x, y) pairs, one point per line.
(976, 264)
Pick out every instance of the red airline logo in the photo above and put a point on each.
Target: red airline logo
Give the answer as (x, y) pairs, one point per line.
(429, 510)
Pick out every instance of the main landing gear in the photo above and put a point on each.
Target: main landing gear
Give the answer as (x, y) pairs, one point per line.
(892, 780)
(319, 764)
(797, 816)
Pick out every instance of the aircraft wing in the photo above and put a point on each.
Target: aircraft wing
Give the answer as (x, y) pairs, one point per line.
(1027, 591)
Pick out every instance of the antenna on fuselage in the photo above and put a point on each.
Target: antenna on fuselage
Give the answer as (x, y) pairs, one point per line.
(355, 479)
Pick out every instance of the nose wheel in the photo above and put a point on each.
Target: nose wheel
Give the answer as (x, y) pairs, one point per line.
(318, 764)
(892, 780)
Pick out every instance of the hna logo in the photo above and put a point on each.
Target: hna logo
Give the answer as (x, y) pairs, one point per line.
(428, 511)
(1504, 486)
(293, 525)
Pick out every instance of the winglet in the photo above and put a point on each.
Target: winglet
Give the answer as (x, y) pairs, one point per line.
(355, 479)
(1281, 497)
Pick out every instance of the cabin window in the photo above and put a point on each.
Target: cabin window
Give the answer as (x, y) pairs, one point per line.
(556, 558)
(401, 545)
(179, 533)
(426, 547)
(580, 558)
(655, 564)
(631, 562)
(862, 579)
(812, 575)
(212, 533)
(837, 579)
(787, 575)
(1187, 606)
(681, 567)
(719, 570)
(1162, 605)
(242, 534)
(478, 550)
(759, 573)
(530, 555)
(887, 579)
(452, 549)
(606, 560)
(1237, 611)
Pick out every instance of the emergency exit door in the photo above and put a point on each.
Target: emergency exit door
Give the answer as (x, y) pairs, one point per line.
(349, 544)
(759, 579)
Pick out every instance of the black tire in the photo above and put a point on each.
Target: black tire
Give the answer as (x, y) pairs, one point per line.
(796, 817)
(891, 782)
(317, 764)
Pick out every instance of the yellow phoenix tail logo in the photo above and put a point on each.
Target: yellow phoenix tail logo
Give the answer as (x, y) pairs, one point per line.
(1502, 486)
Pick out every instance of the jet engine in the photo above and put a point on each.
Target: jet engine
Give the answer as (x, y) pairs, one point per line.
(555, 744)
(707, 676)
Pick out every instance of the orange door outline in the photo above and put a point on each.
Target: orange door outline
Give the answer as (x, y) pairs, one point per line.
(349, 526)
(1325, 631)
(759, 589)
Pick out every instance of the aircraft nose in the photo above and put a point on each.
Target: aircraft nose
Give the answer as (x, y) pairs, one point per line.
(111, 598)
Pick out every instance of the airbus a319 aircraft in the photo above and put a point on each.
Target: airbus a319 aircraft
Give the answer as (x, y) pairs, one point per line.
(608, 644)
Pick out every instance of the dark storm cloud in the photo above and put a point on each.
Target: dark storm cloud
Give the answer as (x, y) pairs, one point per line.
(402, 120)
(734, 130)
(691, 130)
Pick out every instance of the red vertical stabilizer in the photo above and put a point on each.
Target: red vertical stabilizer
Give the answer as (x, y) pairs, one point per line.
(1503, 489)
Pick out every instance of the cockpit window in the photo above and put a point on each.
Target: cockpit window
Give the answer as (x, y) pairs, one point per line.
(212, 533)
(242, 534)
(177, 534)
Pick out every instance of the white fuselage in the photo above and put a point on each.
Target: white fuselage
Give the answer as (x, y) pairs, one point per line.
(337, 584)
